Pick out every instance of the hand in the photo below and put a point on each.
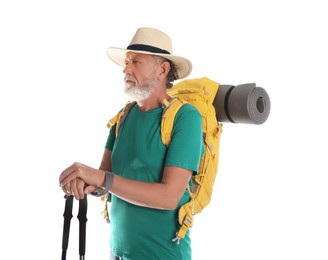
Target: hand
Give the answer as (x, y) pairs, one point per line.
(76, 177)
(75, 188)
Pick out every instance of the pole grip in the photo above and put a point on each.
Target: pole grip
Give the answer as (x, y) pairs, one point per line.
(82, 216)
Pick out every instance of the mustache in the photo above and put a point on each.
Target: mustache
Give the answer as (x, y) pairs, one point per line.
(130, 78)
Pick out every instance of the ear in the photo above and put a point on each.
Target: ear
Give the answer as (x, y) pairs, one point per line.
(164, 69)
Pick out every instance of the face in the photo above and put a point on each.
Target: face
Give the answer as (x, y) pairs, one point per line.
(140, 75)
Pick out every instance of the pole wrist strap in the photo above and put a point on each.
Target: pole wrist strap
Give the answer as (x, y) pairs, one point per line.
(109, 178)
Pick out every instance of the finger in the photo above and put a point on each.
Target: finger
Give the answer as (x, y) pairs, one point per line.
(89, 189)
(74, 189)
(67, 189)
(68, 179)
(80, 187)
(67, 172)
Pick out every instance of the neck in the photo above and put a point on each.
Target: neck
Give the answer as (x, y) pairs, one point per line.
(155, 100)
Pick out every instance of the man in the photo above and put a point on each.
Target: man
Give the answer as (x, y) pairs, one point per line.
(148, 181)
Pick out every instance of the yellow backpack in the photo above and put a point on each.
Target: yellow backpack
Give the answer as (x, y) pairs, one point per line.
(200, 93)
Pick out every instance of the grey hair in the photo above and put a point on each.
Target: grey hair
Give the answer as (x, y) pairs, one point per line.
(172, 75)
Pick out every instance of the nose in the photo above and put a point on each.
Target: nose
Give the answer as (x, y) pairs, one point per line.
(127, 69)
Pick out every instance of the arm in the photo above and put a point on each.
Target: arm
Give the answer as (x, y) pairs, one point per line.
(164, 195)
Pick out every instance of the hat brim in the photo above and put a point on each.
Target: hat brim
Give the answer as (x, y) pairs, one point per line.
(182, 64)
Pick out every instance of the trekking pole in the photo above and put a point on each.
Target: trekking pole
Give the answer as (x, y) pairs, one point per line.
(82, 216)
(67, 222)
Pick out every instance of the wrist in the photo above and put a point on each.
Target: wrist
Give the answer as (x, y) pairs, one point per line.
(103, 180)
(102, 190)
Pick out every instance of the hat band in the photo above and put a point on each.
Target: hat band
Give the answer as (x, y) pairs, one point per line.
(144, 47)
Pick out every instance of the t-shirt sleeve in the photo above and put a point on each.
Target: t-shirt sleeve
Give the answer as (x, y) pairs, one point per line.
(111, 138)
(186, 147)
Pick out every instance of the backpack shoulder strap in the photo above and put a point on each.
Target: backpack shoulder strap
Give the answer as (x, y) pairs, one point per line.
(170, 110)
(120, 116)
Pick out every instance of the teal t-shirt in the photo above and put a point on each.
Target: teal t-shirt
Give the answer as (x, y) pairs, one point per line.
(139, 154)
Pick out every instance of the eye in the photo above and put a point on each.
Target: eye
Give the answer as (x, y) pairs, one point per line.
(133, 61)
(137, 60)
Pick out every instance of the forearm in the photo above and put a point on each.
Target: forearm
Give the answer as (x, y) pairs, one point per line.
(152, 195)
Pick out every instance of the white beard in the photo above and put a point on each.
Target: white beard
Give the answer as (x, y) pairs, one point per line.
(136, 92)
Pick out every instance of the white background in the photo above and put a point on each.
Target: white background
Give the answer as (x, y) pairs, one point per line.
(58, 89)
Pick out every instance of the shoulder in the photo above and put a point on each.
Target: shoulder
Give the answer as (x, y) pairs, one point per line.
(188, 118)
(187, 107)
(188, 111)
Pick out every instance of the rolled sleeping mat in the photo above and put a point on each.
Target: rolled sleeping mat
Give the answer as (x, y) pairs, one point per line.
(242, 104)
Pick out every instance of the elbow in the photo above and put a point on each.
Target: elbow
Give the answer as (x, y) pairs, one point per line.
(172, 207)
(170, 199)
(170, 203)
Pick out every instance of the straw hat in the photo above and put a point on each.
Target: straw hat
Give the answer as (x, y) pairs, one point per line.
(154, 42)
